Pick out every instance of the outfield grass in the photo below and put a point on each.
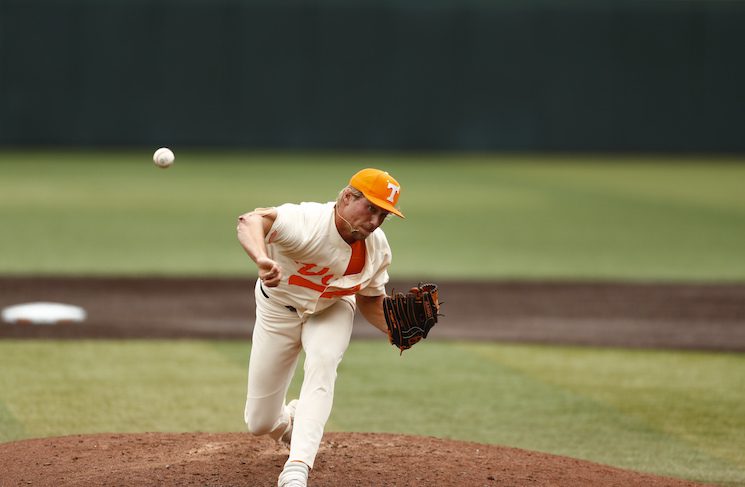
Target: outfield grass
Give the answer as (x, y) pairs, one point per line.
(671, 413)
(468, 216)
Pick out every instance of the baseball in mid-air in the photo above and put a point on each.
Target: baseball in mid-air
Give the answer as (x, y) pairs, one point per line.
(163, 157)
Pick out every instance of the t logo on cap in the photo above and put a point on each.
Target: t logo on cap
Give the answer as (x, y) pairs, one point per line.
(394, 191)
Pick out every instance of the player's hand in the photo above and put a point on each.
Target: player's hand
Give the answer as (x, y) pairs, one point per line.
(269, 272)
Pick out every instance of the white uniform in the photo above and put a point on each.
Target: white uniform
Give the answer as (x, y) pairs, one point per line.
(312, 308)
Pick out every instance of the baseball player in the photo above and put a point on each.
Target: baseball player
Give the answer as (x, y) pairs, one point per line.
(317, 263)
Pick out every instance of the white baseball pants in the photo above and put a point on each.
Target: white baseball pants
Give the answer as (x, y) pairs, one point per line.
(278, 336)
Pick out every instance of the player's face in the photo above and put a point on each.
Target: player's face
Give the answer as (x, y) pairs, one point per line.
(364, 216)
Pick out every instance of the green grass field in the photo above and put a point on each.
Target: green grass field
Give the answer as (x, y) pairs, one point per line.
(671, 413)
(468, 217)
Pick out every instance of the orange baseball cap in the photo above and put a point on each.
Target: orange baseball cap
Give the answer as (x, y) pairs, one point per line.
(379, 188)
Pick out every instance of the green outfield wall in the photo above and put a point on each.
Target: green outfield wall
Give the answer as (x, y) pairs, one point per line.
(461, 74)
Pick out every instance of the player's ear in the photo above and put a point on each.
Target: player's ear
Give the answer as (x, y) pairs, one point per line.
(347, 196)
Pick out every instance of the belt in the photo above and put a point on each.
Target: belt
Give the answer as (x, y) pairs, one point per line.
(291, 308)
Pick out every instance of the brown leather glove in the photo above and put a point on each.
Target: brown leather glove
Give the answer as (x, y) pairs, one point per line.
(410, 316)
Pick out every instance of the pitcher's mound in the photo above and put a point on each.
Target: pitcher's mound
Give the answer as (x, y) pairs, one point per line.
(345, 459)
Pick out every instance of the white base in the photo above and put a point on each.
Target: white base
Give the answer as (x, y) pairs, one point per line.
(42, 313)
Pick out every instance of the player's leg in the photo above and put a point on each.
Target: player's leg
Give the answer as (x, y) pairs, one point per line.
(325, 339)
(274, 353)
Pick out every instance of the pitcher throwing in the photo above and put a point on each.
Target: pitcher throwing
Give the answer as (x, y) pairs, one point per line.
(317, 263)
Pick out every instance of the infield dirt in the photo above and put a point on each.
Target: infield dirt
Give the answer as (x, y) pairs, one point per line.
(683, 316)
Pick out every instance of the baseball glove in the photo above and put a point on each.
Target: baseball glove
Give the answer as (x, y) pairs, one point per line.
(410, 316)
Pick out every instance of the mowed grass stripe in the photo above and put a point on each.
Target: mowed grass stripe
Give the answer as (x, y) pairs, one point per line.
(677, 413)
(62, 387)
(10, 426)
(697, 385)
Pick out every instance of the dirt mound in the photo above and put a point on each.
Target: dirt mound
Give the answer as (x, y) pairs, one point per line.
(345, 459)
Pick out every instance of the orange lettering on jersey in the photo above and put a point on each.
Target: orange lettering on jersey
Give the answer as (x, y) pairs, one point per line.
(296, 280)
(306, 270)
(341, 292)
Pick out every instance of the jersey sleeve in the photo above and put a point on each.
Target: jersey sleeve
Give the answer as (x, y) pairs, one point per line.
(376, 287)
(377, 284)
(287, 228)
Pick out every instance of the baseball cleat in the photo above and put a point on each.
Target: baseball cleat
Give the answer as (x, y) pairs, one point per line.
(295, 474)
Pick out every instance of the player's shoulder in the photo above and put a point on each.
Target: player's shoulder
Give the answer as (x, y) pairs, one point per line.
(314, 207)
(307, 206)
(306, 211)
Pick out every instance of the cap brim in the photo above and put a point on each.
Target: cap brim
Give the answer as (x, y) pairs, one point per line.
(386, 205)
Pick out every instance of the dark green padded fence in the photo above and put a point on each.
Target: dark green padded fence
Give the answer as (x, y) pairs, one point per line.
(476, 75)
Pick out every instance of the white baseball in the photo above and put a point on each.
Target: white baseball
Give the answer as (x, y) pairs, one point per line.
(163, 157)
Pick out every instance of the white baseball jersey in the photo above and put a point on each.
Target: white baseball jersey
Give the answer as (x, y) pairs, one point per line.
(306, 244)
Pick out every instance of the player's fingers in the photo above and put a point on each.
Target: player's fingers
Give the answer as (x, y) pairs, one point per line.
(271, 276)
(272, 281)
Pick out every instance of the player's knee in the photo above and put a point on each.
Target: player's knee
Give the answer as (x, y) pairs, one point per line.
(257, 423)
(322, 364)
(257, 430)
(258, 427)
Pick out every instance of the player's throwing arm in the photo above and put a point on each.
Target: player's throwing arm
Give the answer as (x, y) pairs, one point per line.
(252, 230)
